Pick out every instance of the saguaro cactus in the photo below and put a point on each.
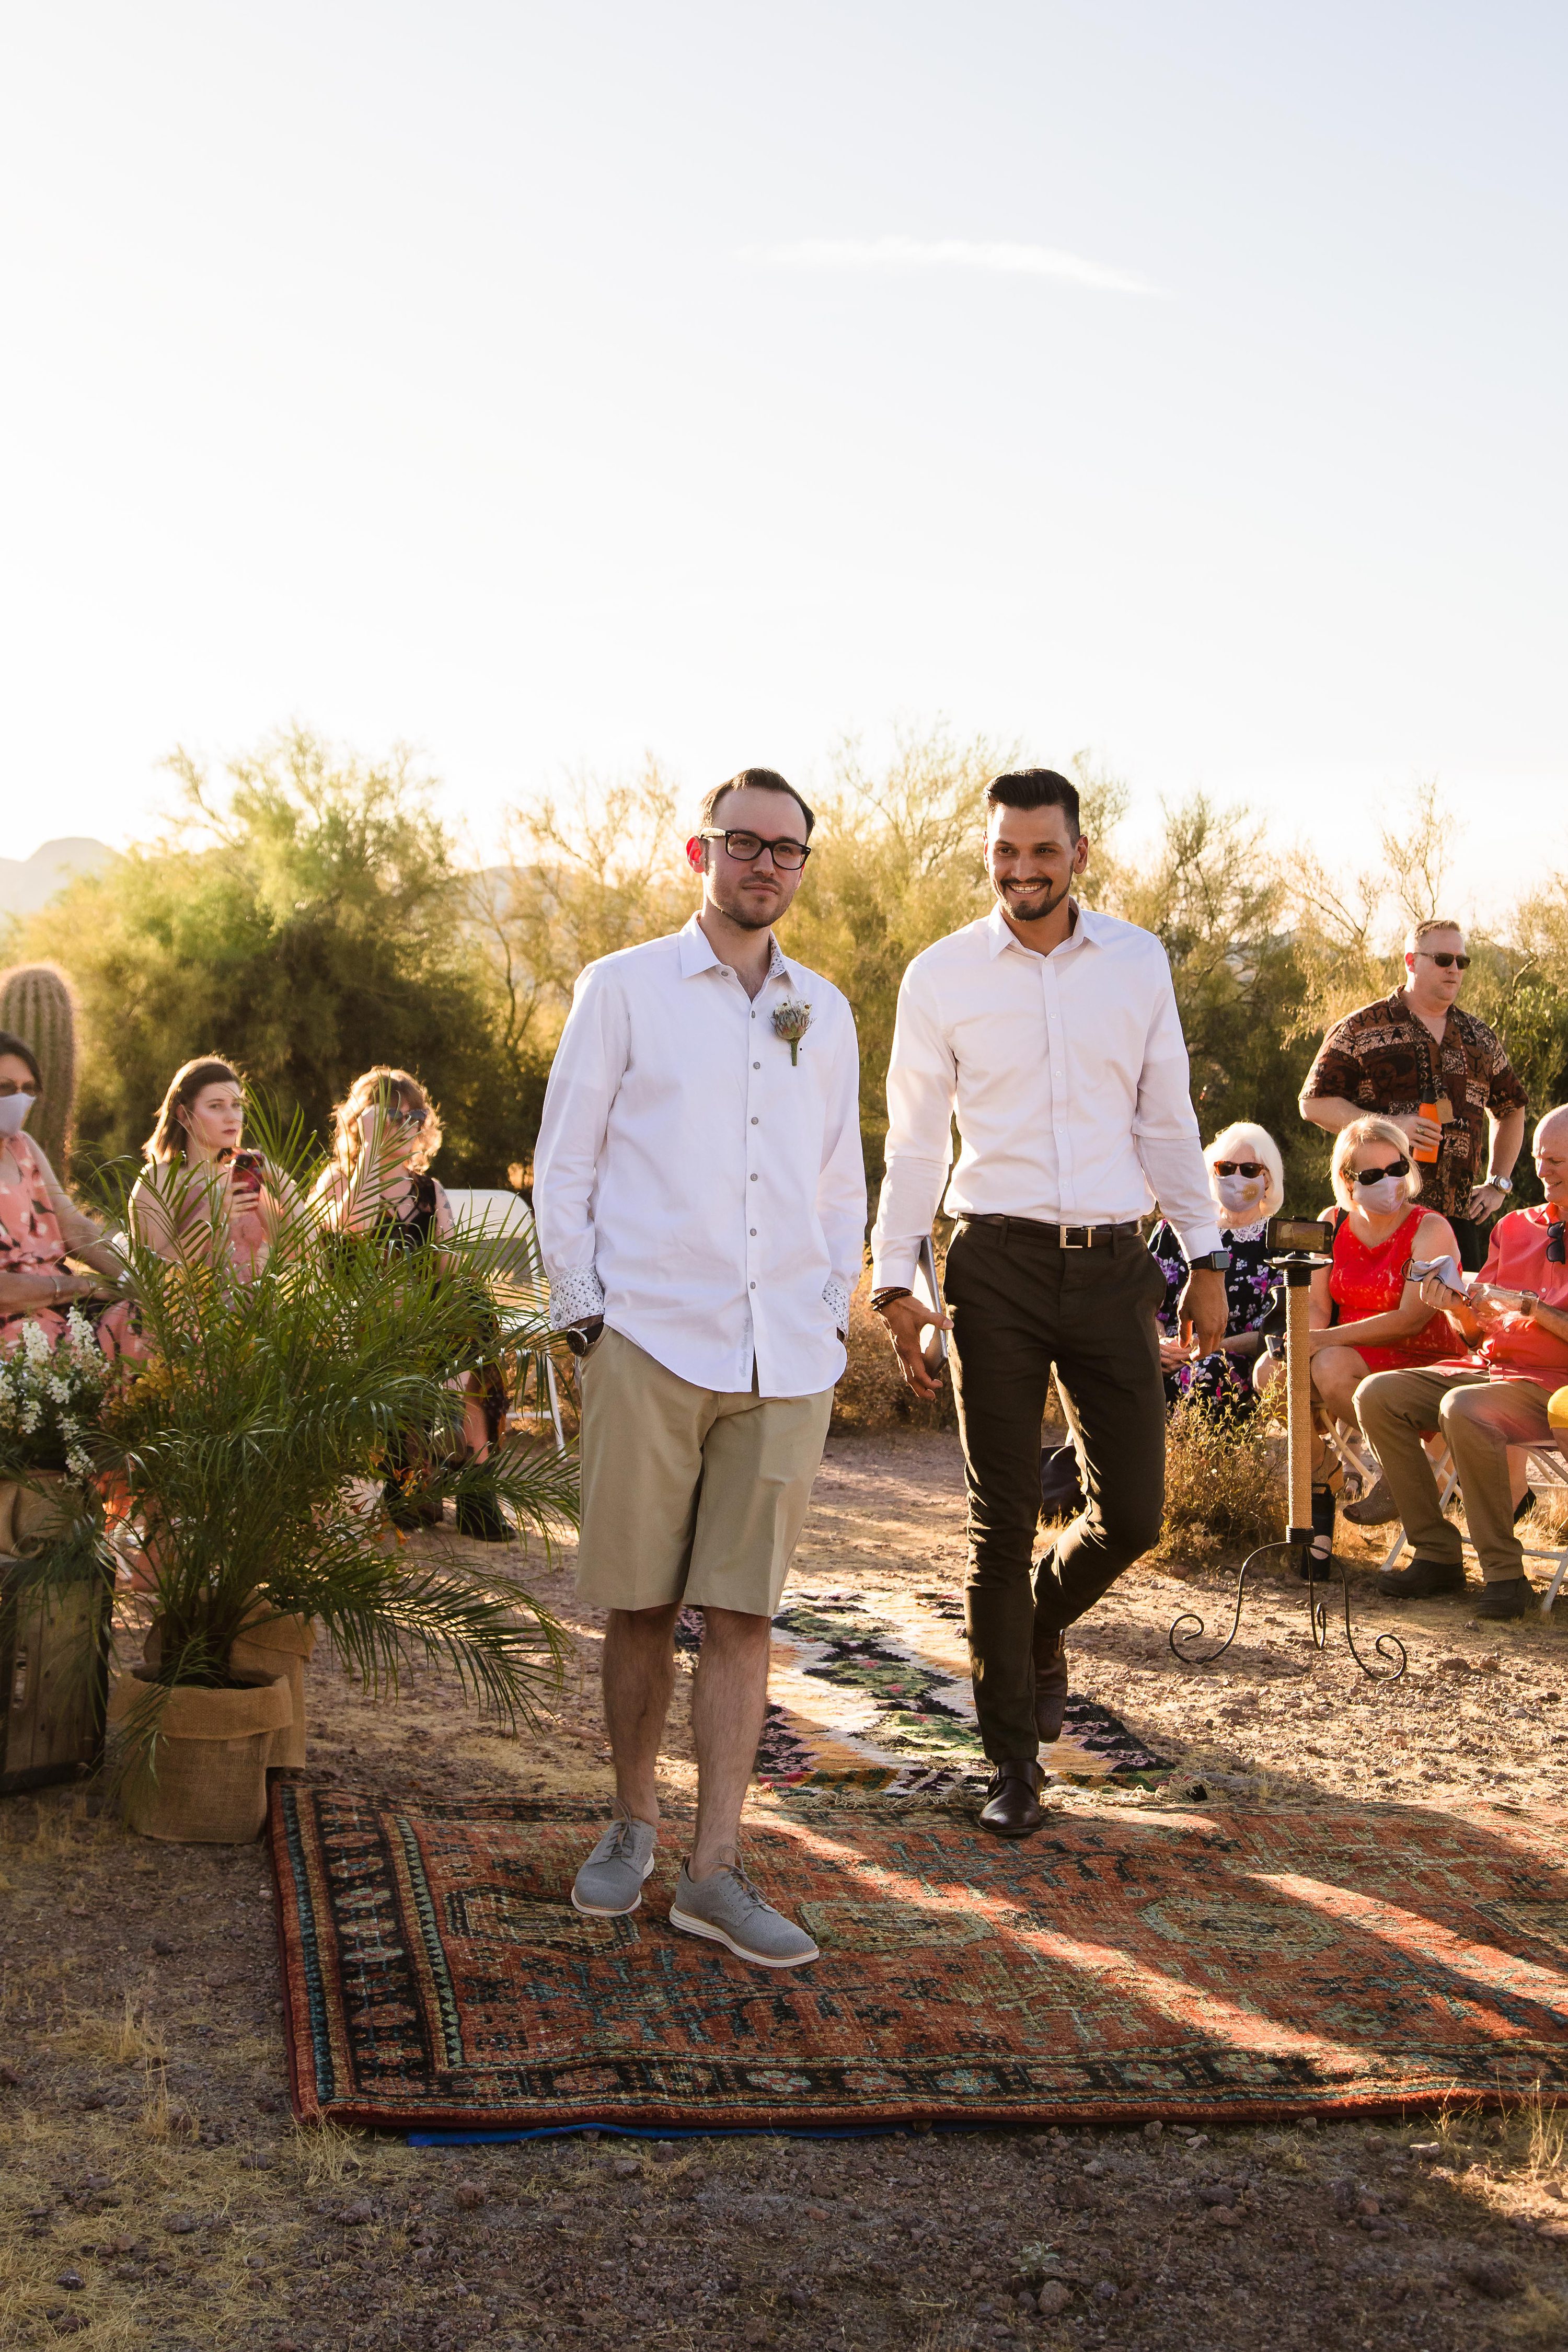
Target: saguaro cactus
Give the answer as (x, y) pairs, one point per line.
(37, 1003)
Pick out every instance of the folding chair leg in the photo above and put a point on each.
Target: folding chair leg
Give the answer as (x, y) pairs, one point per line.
(1555, 1586)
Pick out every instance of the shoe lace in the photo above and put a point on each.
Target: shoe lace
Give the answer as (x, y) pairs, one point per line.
(755, 1899)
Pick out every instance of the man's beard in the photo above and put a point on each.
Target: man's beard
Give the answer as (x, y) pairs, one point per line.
(745, 917)
(1047, 905)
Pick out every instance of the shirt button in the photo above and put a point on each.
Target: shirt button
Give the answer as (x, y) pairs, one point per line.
(753, 1179)
(754, 1285)
(754, 1233)
(754, 1122)
(756, 1065)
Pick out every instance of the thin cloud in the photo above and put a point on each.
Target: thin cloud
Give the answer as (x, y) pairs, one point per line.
(904, 253)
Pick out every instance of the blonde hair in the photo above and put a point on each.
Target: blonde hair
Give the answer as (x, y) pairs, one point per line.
(1425, 928)
(169, 1140)
(1242, 1141)
(1348, 1142)
(390, 1088)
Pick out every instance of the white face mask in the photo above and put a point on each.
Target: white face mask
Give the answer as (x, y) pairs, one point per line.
(13, 1109)
(1381, 1199)
(1241, 1194)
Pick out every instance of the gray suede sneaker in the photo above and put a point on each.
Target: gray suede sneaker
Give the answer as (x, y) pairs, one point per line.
(611, 1881)
(726, 1907)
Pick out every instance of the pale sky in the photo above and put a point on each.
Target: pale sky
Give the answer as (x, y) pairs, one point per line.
(545, 384)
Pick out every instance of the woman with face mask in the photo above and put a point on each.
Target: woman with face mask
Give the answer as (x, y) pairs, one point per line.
(39, 1225)
(1247, 1181)
(1365, 1316)
(201, 1197)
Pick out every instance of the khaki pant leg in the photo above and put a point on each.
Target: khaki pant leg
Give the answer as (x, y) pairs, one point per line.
(759, 1463)
(1480, 1424)
(1394, 1409)
(641, 1458)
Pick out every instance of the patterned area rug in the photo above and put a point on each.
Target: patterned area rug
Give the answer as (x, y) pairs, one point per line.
(871, 1691)
(1140, 1963)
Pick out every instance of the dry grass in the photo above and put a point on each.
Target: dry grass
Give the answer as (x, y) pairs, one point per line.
(1223, 1490)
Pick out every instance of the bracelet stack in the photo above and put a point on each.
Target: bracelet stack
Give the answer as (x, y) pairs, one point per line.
(885, 1296)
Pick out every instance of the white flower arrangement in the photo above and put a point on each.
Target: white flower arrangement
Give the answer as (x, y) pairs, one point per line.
(50, 1398)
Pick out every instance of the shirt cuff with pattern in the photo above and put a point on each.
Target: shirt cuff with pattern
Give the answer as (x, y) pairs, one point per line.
(574, 1298)
(835, 1299)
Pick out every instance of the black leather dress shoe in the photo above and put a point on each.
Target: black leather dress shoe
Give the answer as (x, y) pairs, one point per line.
(1050, 1688)
(1510, 1597)
(1012, 1807)
(1424, 1580)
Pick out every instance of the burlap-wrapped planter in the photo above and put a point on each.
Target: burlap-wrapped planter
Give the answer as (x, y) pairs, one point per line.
(32, 1515)
(208, 1783)
(268, 1645)
(272, 1645)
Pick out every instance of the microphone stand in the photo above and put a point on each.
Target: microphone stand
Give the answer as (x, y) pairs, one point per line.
(1295, 1268)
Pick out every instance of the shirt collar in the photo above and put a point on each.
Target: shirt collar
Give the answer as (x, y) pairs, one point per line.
(697, 954)
(1087, 931)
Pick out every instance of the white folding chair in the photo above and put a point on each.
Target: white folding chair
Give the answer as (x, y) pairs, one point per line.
(506, 1221)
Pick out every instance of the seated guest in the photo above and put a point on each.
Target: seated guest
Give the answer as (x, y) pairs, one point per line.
(378, 1185)
(201, 1199)
(1365, 1316)
(39, 1225)
(1246, 1180)
(1514, 1323)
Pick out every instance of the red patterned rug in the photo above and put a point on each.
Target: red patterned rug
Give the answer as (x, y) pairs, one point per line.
(1126, 1964)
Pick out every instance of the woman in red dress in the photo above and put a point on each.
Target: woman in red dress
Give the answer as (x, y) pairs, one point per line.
(1365, 1316)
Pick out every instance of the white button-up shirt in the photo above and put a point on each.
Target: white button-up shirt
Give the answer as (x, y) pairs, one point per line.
(690, 1183)
(1067, 1073)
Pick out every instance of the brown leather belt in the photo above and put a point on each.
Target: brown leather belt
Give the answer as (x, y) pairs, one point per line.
(1067, 1238)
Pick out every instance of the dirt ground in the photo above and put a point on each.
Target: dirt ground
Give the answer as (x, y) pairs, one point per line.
(154, 2191)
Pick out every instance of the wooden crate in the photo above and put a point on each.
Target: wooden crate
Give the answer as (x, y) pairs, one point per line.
(53, 1679)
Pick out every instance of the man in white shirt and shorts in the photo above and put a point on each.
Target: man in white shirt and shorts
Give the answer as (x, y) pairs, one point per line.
(1051, 1033)
(700, 1201)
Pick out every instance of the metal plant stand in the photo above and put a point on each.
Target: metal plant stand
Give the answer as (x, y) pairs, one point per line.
(1296, 1267)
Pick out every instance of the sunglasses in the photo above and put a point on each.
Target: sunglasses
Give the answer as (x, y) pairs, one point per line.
(1557, 1244)
(405, 1118)
(1248, 1168)
(1376, 1175)
(1442, 958)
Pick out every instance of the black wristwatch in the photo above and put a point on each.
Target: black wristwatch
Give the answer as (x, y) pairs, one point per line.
(1212, 1262)
(580, 1337)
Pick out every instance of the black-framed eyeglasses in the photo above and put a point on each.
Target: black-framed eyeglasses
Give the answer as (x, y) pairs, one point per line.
(1376, 1175)
(1444, 956)
(745, 848)
(1248, 1168)
(1557, 1244)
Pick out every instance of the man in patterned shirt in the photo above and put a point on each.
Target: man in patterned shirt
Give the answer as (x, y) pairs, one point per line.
(1414, 1047)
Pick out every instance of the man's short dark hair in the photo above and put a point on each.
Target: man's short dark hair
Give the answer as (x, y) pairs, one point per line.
(1033, 788)
(759, 780)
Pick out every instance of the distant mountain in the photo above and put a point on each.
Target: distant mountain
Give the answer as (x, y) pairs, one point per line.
(28, 883)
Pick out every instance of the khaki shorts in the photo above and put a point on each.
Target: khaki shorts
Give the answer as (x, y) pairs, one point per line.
(689, 1494)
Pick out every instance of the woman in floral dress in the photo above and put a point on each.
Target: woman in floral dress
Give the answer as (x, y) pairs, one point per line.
(39, 1225)
(1246, 1178)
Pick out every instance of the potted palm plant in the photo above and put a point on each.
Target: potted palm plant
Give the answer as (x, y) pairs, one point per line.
(251, 1450)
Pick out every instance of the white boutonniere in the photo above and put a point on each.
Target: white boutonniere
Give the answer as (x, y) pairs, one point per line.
(792, 1019)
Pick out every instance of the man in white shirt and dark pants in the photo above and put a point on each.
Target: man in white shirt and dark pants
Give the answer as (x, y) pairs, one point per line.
(700, 1202)
(1051, 1032)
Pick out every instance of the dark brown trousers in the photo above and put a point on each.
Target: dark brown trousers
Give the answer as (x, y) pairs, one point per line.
(1021, 1307)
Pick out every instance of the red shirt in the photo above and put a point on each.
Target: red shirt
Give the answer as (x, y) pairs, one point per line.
(1517, 1261)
